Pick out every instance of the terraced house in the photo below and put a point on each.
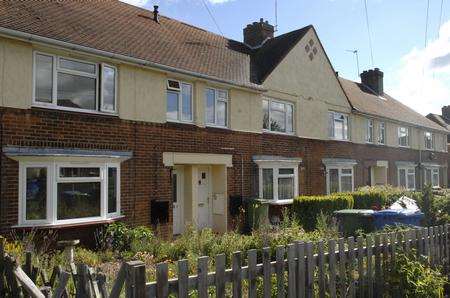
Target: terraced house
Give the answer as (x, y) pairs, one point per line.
(112, 112)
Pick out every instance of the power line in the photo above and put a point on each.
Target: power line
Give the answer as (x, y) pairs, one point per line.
(355, 52)
(212, 17)
(368, 32)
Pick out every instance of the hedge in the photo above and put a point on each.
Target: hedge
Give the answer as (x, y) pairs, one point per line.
(377, 197)
(307, 208)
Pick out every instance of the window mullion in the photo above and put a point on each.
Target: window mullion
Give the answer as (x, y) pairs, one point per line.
(275, 183)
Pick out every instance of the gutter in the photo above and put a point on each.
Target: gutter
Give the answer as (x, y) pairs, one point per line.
(358, 112)
(71, 46)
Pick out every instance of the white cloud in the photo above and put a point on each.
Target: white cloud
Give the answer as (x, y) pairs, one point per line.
(140, 3)
(423, 79)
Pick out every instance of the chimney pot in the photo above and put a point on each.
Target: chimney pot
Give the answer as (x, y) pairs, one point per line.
(446, 112)
(156, 13)
(256, 33)
(373, 78)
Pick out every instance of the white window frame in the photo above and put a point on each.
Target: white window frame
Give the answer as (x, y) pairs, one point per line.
(407, 129)
(53, 178)
(369, 131)
(275, 166)
(345, 126)
(425, 136)
(102, 109)
(285, 103)
(382, 133)
(407, 169)
(217, 99)
(434, 171)
(340, 175)
(179, 92)
(56, 68)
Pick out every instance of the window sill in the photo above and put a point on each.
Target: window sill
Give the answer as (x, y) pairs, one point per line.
(180, 121)
(69, 225)
(65, 109)
(280, 202)
(339, 140)
(217, 126)
(279, 133)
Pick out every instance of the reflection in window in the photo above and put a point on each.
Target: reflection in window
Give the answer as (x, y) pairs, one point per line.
(44, 79)
(78, 200)
(277, 116)
(340, 179)
(76, 91)
(216, 106)
(338, 126)
(36, 193)
(179, 101)
(112, 190)
(267, 184)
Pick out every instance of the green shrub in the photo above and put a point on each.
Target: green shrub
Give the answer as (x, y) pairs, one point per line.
(377, 197)
(308, 208)
(412, 277)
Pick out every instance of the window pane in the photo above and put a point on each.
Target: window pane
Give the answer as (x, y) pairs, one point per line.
(76, 91)
(285, 188)
(435, 178)
(112, 190)
(346, 183)
(186, 102)
(347, 171)
(334, 180)
(77, 66)
(172, 105)
(78, 200)
(79, 172)
(402, 178)
(222, 94)
(289, 118)
(427, 176)
(286, 171)
(36, 194)
(411, 181)
(331, 125)
(221, 113)
(210, 102)
(44, 78)
(268, 184)
(109, 89)
(265, 114)
(339, 129)
(345, 128)
(278, 117)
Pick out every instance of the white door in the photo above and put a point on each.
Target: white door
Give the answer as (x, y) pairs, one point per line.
(177, 197)
(203, 208)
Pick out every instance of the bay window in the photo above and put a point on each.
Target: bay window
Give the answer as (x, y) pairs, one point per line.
(278, 116)
(59, 193)
(179, 101)
(71, 84)
(431, 176)
(429, 140)
(403, 136)
(338, 126)
(407, 177)
(339, 178)
(278, 179)
(216, 107)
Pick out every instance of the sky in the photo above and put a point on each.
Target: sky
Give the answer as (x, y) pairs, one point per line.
(416, 72)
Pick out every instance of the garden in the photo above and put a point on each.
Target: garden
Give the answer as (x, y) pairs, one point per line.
(309, 220)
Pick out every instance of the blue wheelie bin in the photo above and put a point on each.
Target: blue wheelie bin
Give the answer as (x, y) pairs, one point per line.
(396, 217)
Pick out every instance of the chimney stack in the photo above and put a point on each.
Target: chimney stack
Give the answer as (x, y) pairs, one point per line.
(446, 112)
(373, 78)
(257, 33)
(156, 13)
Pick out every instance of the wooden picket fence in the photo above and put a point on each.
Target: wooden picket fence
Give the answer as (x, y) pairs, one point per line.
(335, 268)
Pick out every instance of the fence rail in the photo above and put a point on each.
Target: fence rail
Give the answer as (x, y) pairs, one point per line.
(335, 268)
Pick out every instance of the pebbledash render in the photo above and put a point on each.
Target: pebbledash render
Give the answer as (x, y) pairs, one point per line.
(111, 112)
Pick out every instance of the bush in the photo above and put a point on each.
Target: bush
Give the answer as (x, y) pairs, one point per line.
(435, 205)
(413, 277)
(308, 208)
(377, 197)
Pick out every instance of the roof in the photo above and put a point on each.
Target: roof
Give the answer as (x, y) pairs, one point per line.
(123, 29)
(366, 101)
(442, 121)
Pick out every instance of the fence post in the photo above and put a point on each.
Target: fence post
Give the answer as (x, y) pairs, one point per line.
(360, 266)
(332, 267)
(342, 269)
(321, 265)
(279, 268)
(310, 266)
(237, 275)
(252, 274)
(351, 260)
(202, 277)
(291, 271)
(220, 276)
(162, 280)
(267, 283)
(301, 269)
(183, 278)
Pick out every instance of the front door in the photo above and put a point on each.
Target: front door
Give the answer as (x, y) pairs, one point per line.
(177, 198)
(203, 208)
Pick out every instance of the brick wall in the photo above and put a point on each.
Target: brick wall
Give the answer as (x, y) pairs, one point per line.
(145, 178)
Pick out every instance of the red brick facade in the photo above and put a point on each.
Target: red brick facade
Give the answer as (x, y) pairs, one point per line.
(144, 177)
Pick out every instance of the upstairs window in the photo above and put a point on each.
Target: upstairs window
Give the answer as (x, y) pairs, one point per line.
(216, 107)
(179, 101)
(73, 84)
(369, 131)
(382, 133)
(337, 126)
(429, 140)
(278, 116)
(403, 136)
